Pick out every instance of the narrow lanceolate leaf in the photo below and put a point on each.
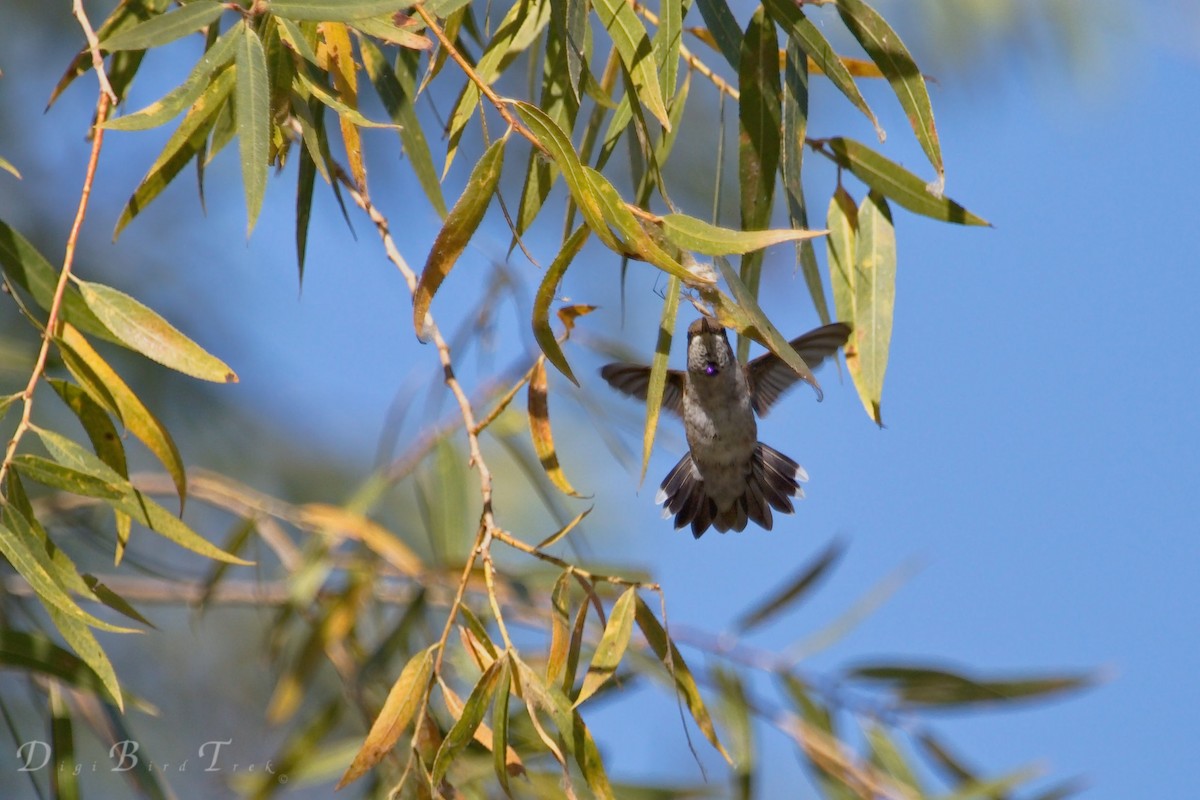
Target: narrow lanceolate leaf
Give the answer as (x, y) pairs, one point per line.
(900, 185)
(546, 292)
(66, 479)
(794, 590)
(29, 269)
(463, 729)
(132, 502)
(333, 10)
(398, 710)
(560, 623)
(539, 429)
(667, 40)
(144, 331)
(397, 91)
(842, 221)
(8, 167)
(64, 781)
(338, 521)
(724, 28)
(165, 28)
(337, 57)
(253, 121)
(160, 111)
(658, 370)
(84, 643)
(94, 417)
(884, 47)
(636, 53)
(799, 27)
(886, 756)
(573, 732)
(564, 530)
(36, 652)
(874, 300)
(106, 388)
(734, 710)
(690, 233)
(934, 686)
(669, 655)
(759, 124)
(748, 319)
(791, 162)
(385, 29)
(187, 140)
(458, 229)
(611, 647)
(500, 759)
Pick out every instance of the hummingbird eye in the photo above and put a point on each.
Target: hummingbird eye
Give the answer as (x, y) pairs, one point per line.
(710, 368)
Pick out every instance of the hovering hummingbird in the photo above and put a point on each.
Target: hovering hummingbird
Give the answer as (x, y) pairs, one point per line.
(728, 476)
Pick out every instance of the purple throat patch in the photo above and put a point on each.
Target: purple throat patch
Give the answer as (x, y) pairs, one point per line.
(710, 369)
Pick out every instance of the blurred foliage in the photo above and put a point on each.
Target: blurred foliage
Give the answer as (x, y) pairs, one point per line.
(452, 656)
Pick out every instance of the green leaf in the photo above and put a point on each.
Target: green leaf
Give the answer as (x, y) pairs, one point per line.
(160, 111)
(29, 269)
(500, 724)
(101, 432)
(564, 530)
(611, 647)
(840, 246)
(723, 26)
(817, 47)
(183, 145)
(658, 370)
(690, 233)
(884, 47)
(57, 476)
(735, 712)
(36, 652)
(307, 84)
(795, 130)
(667, 40)
(636, 53)
(105, 387)
(385, 29)
(748, 319)
(759, 125)
(919, 685)
(397, 91)
(306, 178)
(795, 589)
(463, 729)
(252, 106)
(334, 10)
(545, 296)
(403, 699)
(458, 229)
(574, 733)
(144, 331)
(886, 755)
(84, 643)
(671, 658)
(897, 183)
(874, 301)
(64, 780)
(134, 503)
(165, 28)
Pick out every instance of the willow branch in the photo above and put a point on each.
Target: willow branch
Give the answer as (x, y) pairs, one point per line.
(94, 49)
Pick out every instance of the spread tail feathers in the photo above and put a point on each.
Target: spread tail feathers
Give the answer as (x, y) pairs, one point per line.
(773, 481)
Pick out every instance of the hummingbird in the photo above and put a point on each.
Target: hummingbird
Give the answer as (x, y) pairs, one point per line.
(727, 477)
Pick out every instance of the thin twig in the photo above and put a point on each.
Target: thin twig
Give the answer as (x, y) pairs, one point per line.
(617, 580)
(60, 290)
(94, 49)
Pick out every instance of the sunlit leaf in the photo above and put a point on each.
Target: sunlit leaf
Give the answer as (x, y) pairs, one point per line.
(463, 729)
(657, 385)
(840, 246)
(334, 10)
(560, 620)
(874, 301)
(636, 52)
(794, 590)
(384, 27)
(817, 47)
(539, 429)
(165, 28)
(144, 331)
(183, 145)
(8, 167)
(398, 710)
(107, 388)
(564, 530)
(886, 756)
(252, 102)
(166, 108)
(57, 476)
(671, 658)
(667, 40)
(897, 183)
(702, 237)
(546, 292)
(458, 229)
(611, 647)
(884, 47)
(501, 760)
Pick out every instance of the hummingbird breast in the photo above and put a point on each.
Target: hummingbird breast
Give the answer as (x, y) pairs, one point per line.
(721, 432)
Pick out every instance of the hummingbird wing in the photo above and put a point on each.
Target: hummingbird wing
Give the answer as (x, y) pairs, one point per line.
(634, 380)
(770, 376)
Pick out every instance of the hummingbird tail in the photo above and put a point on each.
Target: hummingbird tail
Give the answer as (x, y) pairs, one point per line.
(773, 481)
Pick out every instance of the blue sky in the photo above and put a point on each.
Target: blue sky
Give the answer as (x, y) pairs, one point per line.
(1040, 457)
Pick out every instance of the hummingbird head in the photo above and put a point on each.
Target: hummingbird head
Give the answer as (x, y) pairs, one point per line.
(709, 353)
